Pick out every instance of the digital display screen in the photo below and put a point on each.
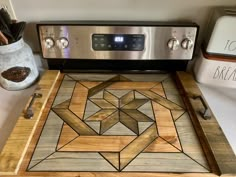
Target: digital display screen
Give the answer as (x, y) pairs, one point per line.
(119, 39)
(118, 42)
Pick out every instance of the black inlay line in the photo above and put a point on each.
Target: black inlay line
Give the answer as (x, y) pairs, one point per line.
(103, 85)
(160, 152)
(176, 129)
(197, 161)
(160, 103)
(194, 128)
(91, 99)
(105, 90)
(179, 116)
(78, 118)
(59, 89)
(100, 127)
(134, 120)
(147, 75)
(85, 106)
(168, 99)
(111, 126)
(84, 85)
(56, 158)
(151, 120)
(112, 103)
(169, 76)
(58, 150)
(77, 151)
(95, 120)
(72, 93)
(119, 161)
(164, 89)
(88, 99)
(168, 172)
(59, 135)
(100, 153)
(154, 115)
(171, 144)
(82, 118)
(119, 105)
(36, 145)
(83, 122)
(160, 83)
(91, 76)
(142, 94)
(117, 172)
(46, 119)
(157, 83)
(197, 139)
(150, 110)
(178, 93)
(138, 153)
(137, 99)
(72, 77)
(62, 103)
(28, 169)
(136, 138)
(125, 95)
(64, 121)
(93, 102)
(127, 79)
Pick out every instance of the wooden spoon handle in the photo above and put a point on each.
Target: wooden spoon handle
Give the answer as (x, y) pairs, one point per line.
(3, 38)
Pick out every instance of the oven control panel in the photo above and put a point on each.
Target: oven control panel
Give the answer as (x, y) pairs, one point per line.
(118, 42)
(122, 41)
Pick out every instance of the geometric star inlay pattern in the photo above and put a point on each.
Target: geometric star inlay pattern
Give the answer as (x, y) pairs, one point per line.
(123, 110)
(119, 125)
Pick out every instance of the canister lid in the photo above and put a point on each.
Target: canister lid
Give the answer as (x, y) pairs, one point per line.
(217, 57)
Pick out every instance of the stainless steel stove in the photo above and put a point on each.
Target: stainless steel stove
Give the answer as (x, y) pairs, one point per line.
(117, 46)
(155, 118)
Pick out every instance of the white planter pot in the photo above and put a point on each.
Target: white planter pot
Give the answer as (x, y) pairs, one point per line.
(18, 69)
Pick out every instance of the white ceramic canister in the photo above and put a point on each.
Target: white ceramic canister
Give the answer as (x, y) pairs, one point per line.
(18, 69)
(215, 71)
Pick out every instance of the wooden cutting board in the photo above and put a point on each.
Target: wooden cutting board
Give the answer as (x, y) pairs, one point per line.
(119, 125)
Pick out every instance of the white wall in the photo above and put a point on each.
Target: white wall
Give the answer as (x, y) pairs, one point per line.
(33, 11)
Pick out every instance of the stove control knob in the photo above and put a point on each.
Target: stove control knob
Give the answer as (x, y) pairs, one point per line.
(62, 43)
(173, 44)
(187, 44)
(49, 42)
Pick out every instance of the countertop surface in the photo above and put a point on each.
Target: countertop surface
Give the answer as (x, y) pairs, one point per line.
(12, 103)
(222, 101)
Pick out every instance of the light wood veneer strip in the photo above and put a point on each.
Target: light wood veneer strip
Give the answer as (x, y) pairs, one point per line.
(18, 142)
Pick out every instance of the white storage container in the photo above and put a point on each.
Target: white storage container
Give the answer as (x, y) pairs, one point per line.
(215, 71)
(18, 69)
(220, 38)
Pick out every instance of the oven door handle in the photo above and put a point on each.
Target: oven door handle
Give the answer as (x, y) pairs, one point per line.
(206, 113)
